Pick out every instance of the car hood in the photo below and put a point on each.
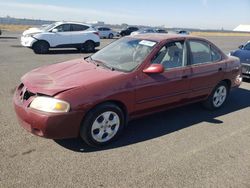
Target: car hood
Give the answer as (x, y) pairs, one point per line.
(244, 55)
(32, 30)
(53, 79)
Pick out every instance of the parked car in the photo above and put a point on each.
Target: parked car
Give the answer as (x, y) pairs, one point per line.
(105, 32)
(134, 76)
(61, 35)
(159, 30)
(143, 31)
(183, 32)
(244, 54)
(128, 31)
(148, 30)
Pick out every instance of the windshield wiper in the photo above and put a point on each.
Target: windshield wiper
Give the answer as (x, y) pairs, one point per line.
(100, 63)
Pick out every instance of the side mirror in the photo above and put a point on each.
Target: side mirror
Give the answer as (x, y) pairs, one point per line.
(154, 69)
(54, 30)
(241, 47)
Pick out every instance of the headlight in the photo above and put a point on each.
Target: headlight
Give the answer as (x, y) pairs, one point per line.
(29, 35)
(49, 104)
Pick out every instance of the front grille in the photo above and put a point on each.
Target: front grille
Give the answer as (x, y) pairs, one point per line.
(245, 69)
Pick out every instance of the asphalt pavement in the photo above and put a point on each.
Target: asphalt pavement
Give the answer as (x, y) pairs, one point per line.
(184, 147)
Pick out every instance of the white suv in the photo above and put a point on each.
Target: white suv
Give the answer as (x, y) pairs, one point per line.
(61, 35)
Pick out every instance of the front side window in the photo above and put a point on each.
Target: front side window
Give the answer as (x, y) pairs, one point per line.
(247, 47)
(200, 52)
(63, 28)
(124, 54)
(171, 55)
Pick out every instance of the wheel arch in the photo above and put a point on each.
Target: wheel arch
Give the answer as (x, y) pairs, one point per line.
(89, 40)
(41, 40)
(118, 103)
(228, 82)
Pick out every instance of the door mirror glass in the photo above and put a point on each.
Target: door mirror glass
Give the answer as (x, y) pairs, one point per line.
(154, 69)
(54, 30)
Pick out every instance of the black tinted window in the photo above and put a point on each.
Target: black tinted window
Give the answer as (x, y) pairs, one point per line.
(63, 28)
(133, 28)
(77, 27)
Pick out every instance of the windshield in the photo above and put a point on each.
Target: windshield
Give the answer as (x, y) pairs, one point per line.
(48, 27)
(124, 54)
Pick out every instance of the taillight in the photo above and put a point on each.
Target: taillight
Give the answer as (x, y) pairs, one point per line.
(96, 33)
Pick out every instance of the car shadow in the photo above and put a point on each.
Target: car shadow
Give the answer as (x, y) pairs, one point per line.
(166, 122)
(67, 51)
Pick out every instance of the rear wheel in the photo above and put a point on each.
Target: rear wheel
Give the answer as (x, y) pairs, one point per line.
(89, 46)
(111, 36)
(102, 125)
(41, 47)
(218, 97)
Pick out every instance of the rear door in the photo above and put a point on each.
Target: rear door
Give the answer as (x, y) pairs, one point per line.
(207, 68)
(79, 34)
(170, 87)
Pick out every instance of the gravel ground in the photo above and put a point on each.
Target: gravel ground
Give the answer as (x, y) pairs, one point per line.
(183, 147)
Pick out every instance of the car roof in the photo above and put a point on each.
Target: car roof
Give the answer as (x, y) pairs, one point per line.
(158, 37)
(64, 22)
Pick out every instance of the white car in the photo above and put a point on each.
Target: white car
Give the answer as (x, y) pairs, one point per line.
(106, 32)
(61, 35)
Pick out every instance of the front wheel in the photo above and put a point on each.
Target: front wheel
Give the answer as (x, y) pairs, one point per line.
(218, 97)
(102, 125)
(41, 47)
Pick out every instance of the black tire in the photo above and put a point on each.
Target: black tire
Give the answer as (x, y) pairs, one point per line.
(122, 34)
(89, 46)
(41, 47)
(111, 36)
(89, 134)
(211, 103)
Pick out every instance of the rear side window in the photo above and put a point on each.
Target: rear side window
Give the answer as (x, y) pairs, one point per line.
(77, 27)
(200, 52)
(215, 55)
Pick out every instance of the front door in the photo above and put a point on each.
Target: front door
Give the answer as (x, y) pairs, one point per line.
(62, 36)
(170, 87)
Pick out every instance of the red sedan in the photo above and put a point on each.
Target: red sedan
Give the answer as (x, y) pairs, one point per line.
(132, 77)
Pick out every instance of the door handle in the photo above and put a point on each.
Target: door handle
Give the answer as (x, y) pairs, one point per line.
(220, 69)
(185, 76)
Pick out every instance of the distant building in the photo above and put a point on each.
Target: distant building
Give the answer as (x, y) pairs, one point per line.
(243, 28)
(96, 23)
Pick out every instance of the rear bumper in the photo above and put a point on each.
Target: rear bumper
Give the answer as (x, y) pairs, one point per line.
(48, 125)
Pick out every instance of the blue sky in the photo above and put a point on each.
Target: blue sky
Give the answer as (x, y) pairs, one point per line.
(204, 14)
